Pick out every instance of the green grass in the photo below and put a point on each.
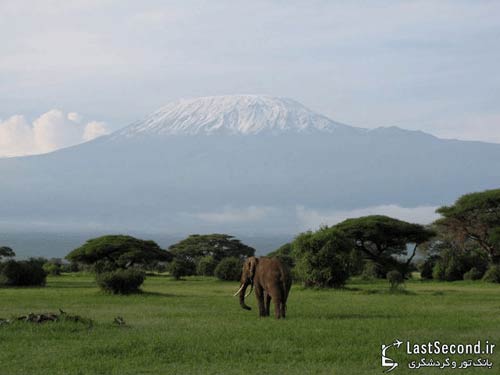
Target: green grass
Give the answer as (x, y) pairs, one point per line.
(196, 327)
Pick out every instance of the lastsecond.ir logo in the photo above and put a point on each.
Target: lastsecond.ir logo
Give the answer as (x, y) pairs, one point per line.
(389, 362)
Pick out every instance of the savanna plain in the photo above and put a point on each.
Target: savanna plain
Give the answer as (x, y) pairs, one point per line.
(195, 326)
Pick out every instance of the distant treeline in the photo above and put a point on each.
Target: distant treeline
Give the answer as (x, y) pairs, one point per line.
(463, 244)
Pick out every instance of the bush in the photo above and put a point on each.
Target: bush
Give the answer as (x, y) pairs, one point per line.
(454, 271)
(121, 281)
(70, 267)
(395, 279)
(438, 271)
(492, 274)
(22, 273)
(427, 266)
(53, 269)
(229, 269)
(206, 266)
(370, 271)
(473, 274)
(323, 258)
(181, 267)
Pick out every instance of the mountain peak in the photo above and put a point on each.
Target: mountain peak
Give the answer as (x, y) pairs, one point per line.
(235, 114)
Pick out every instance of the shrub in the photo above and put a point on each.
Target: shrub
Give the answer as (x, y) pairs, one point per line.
(181, 267)
(53, 269)
(438, 271)
(22, 273)
(492, 274)
(427, 266)
(395, 279)
(323, 258)
(370, 271)
(70, 267)
(453, 270)
(121, 281)
(206, 266)
(229, 269)
(473, 274)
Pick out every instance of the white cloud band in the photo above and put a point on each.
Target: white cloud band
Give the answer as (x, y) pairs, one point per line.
(51, 131)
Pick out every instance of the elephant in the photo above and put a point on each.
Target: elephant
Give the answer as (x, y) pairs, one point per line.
(272, 281)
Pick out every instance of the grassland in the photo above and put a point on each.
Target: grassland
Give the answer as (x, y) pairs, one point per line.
(196, 327)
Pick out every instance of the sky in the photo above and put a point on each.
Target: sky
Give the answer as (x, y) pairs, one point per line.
(73, 70)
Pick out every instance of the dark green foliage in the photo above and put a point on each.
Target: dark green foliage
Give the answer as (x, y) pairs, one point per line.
(103, 265)
(395, 279)
(475, 217)
(122, 281)
(22, 273)
(206, 266)
(179, 268)
(218, 246)
(38, 260)
(438, 271)
(6, 252)
(70, 267)
(53, 269)
(371, 271)
(111, 252)
(229, 269)
(285, 254)
(453, 270)
(492, 275)
(322, 258)
(450, 262)
(473, 274)
(381, 239)
(427, 266)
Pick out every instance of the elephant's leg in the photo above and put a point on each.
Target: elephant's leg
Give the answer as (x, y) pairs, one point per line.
(283, 309)
(277, 308)
(268, 303)
(259, 294)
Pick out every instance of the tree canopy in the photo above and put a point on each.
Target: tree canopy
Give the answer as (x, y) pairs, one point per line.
(6, 252)
(119, 251)
(475, 217)
(218, 246)
(380, 237)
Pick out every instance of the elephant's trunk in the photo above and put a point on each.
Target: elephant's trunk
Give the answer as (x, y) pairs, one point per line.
(242, 296)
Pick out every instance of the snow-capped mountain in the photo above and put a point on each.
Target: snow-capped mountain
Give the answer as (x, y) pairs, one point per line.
(185, 169)
(236, 114)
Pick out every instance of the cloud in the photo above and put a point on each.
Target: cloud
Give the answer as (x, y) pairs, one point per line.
(312, 219)
(231, 215)
(49, 132)
(94, 130)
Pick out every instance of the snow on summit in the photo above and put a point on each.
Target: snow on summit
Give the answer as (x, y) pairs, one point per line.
(238, 114)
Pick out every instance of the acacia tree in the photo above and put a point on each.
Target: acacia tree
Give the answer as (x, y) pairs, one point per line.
(216, 246)
(475, 217)
(381, 238)
(118, 251)
(6, 252)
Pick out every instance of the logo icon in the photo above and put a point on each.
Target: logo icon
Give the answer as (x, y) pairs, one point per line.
(389, 362)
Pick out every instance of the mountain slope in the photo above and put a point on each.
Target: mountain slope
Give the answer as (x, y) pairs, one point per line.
(250, 180)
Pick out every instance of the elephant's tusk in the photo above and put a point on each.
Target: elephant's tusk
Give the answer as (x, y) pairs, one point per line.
(239, 290)
(250, 292)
